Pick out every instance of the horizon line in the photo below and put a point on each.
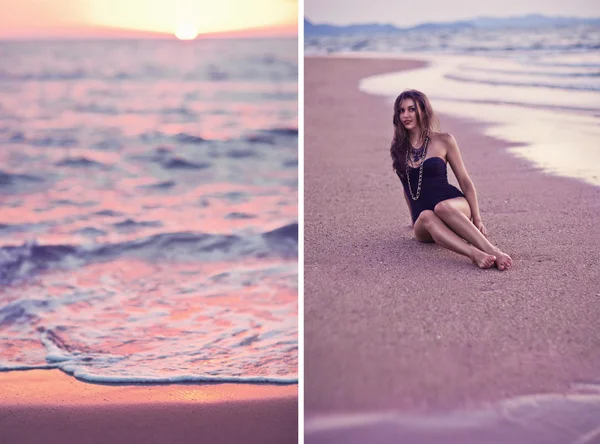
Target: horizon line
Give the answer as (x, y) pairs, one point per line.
(582, 17)
(58, 38)
(112, 33)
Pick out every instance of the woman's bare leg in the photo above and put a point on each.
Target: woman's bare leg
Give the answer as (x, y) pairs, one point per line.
(429, 227)
(456, 214)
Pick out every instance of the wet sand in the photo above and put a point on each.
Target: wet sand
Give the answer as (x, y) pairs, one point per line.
(50, 406)
(393, 324)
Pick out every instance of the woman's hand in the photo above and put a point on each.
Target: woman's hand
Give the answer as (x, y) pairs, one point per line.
(480, 227)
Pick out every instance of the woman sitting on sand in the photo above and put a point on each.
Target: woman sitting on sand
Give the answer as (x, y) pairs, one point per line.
(440, 212)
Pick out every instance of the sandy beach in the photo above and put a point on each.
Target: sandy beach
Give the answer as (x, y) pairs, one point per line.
(49, 406)
(393, 324)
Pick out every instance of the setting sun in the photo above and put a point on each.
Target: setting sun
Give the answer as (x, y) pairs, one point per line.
(186, 32)
(185, 18)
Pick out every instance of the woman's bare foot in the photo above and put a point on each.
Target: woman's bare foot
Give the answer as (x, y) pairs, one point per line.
(503, 260)
(483, 260)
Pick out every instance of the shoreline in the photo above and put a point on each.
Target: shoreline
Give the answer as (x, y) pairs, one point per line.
(66, 409)
(504, 118)
(523, 123)
(415, 329)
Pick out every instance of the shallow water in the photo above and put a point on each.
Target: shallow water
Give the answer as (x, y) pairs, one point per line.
(571, 418)
(148, 229)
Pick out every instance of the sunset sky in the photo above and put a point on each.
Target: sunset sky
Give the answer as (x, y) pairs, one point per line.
(43, 18)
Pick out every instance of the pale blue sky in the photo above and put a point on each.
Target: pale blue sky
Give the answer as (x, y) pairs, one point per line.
(408, 13)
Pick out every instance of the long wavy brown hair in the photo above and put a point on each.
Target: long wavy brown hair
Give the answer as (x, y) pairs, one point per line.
(427, 122)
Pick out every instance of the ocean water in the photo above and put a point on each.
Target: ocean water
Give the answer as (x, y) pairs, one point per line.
(148, 209)
(546, 40)
(538, 88)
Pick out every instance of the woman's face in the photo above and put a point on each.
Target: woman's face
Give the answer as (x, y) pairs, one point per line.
(408, 114)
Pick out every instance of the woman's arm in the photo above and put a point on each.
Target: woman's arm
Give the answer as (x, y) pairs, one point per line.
(465, 182)
(409, 210)
(407, 202)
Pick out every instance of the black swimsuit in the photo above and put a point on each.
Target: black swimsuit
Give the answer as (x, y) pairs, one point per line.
(434, 186)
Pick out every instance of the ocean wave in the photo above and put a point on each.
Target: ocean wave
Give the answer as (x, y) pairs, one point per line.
(62, 142)
(272, 59)
(130, 223)
(188, 138)
(216, 74)
(46, 76)
(80, 162)
(17, 137)
(13, 179)
(240, 216)
(179, 111)
(260, 138)
(553, 418)
(291, 132)
(534, 48)
(121, 76)
(569, 87)
(270, 136)
(283, 96)
(263, 73)
(19, 312)
(159, 136)
(72, 202)
(234, 197)
(24, 261)
(97, 109)
(182, 164)
(286, 233)
(109, 213)
(107, 144)
(545, 73)
(50, 137)
(152, 136)
(29, 259)
(90, 232)
(267, 136)
(240, 154)
(164, 157)
(567, 64)
(159, 186)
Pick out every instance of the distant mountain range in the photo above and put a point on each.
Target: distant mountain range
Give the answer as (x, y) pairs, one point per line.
(525, 21)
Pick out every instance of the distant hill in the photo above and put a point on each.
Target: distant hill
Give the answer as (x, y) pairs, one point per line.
(525, 21)
(310, 29)
(531, 20)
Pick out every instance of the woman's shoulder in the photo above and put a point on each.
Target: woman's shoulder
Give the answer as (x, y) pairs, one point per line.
(442, 137)
(446, 140)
